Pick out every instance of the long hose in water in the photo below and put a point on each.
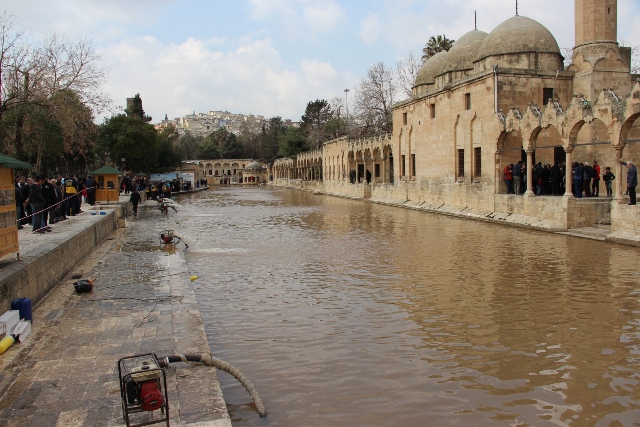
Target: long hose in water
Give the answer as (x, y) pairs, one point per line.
(207, 359)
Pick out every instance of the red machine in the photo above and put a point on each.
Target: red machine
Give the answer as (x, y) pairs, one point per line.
(143, 388)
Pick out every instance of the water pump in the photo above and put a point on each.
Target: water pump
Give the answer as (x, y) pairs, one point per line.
(143, 388)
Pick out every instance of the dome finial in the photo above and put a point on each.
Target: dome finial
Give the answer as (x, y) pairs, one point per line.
(516, 7)
(475, 19)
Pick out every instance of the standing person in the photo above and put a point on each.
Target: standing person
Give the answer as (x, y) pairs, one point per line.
(508, 178)
(19, 202)
(49, 195)
(538, 178)
(25, 185)
(517, 179)
(37, 201)
(135, 200)
(71, 193)
(555, 176)
(608, 178)
(632, 180)
(91, 190)
(595, 184)
(60, 210)
(587, 174)
(577, 180)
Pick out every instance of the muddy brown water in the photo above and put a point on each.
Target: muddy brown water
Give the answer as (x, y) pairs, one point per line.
(347, 313)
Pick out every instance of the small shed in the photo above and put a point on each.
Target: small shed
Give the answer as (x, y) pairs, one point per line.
(108, 189)
(8, 214)
(254, 173)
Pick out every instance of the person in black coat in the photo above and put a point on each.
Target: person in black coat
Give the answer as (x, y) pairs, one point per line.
(19, 207)
(135, 200)
(49, 195)
(91, 185)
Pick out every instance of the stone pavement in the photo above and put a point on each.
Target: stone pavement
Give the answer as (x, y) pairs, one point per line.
(65, 373)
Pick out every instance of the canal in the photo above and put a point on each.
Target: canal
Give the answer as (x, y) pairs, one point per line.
(348, 313)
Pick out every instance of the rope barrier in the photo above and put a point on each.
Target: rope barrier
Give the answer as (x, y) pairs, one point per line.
(53, 206)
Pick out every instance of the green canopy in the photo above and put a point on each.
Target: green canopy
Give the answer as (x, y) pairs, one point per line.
(106, 170)
(141, 174)
(10, 162)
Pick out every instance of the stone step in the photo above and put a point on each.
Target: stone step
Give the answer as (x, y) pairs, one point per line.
(593, 233)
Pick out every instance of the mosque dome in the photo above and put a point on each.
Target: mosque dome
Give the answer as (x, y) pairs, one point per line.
(464, 51)
(254, 166)
(431, 68)
(518, 35)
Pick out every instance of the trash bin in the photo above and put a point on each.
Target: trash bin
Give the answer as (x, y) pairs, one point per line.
(23, 305)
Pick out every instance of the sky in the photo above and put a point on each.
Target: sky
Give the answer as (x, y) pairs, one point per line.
(269, 57)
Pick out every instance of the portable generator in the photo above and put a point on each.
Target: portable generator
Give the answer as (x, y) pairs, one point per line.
(143, 388)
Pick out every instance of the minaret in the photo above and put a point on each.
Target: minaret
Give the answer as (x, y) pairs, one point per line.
(596, 22)
(598, 61)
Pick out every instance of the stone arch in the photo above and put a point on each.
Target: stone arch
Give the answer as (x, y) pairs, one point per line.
(630, 137)
(458, 145)
(510, 146)
(592, 140)
(547, 144)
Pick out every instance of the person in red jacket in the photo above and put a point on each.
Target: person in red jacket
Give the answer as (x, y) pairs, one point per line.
(508, 178)
(595, 184)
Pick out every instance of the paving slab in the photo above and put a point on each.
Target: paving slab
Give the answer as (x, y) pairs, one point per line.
(65, 373)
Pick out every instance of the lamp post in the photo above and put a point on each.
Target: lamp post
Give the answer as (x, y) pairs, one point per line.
(122, 165)
(346, 102)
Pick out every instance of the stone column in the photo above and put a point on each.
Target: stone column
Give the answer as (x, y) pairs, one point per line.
(568, 176)
(383, 173)
(618, 197)
(529, 184)
(498, 158)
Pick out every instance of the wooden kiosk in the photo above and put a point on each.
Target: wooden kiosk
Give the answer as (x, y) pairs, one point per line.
(8, 214)
(108, 189)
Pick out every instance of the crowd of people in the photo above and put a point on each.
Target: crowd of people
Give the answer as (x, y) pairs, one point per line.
(42, 201)
(550, 180)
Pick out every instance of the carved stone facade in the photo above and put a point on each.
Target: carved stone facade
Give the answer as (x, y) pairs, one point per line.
(498, 98)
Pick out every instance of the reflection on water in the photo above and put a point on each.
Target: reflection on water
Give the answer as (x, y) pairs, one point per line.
(346, 313)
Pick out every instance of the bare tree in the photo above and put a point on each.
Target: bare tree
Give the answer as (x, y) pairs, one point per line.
(34, 75)
(374, 96)
(406, 72)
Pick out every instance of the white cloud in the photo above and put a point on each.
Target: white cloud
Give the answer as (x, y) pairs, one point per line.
(370, 28)
(198, 76)
(307, 18)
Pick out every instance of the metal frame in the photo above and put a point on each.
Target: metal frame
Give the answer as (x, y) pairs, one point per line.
(136, 408)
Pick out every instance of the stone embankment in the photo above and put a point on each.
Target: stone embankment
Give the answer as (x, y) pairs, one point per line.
(623, 229)
(65, 373)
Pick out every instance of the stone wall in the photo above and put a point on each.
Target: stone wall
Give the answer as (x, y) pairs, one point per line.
(43, 267)
(625, 223)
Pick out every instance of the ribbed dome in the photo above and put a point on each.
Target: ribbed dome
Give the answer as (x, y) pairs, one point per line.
(464, 51)
(518, 35)
(431, 68)
(254, 166)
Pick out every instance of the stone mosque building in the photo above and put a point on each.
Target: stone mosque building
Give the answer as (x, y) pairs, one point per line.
(494, 99)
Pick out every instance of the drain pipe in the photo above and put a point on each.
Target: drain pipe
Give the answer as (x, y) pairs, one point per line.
(495, 88)
(209, 360)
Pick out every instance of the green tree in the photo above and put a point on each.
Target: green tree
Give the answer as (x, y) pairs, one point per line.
(231, 147)
(190, 145)
(170, 154)
(132, 139)
(292, 143)
(208, 149)
(314, 119)
(436, 44)
(272, 133)
(335, 127)
(134, 108)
